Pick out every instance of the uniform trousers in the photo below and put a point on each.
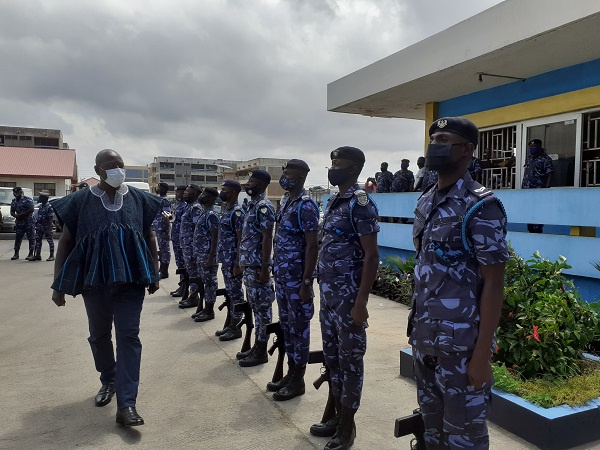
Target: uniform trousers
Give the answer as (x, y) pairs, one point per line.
(208, 274)
(294, 316)
(179, 261)
(42, 232)
(22, 228)
(164, 246)
(122, 305)
(454, 412)
(233, 286)
(261, 297)
(344, 344)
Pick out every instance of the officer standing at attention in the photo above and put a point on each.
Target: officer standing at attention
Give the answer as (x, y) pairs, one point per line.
(178, 209)
(458, 291)
(404, 180)
(162, 228)
(21, 208)
(205, 249)
(348, 264)
(255, 259)
(384, 179)
(295, 257)
(186, 242)
(43, 228)
(230, 235)
(538, 174)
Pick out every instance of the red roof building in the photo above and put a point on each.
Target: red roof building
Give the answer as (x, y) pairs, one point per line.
(40, 169)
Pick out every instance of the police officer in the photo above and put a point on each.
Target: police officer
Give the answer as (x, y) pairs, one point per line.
(21, 208)
(43, 228)
(295, 257)
(189, 219)
(255, 259)
(404, 179)
(384, 179)
(458, 291)
(179, 208)
(538, 174)
(205, 249)
(230, 235)
(162, 228)
(347, 270)
(420, 173)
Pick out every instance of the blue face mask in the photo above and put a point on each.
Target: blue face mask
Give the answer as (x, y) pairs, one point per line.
(287, 184)
(404, 166)
(339, 176)
(534, 150)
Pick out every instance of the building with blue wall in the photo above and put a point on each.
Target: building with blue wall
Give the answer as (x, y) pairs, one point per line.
(520, 70)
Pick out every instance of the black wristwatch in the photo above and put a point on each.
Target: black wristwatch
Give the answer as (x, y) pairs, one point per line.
(308, 281)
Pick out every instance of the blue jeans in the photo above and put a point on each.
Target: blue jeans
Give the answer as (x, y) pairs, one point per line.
(123, 305)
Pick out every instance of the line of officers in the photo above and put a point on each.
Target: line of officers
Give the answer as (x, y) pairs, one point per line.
(278, 254)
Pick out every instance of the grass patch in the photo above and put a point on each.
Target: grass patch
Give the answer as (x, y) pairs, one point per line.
(548, 392)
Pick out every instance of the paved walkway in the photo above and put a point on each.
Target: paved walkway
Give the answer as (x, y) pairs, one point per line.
(193, 394)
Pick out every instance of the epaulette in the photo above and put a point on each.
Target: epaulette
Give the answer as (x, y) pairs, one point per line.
(477, 189)
(305, 197)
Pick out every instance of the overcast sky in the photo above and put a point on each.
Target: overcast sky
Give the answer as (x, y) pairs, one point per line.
(211, 79)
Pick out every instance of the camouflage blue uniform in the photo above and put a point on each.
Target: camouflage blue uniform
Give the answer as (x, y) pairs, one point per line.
(445, 315)
(403, 181)
(475, 169)
(295, 217)
(231, 222)
(163, 231)
(208, 221)
(430, 178)
(384, 181)
(25, 226)
(186, 241)
(180, 208)
(340, 273)
(260, 216)
(43, 228)
(537, 169)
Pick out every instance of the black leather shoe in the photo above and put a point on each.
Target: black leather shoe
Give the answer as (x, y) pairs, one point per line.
(259, 356)
(274, 386)
(190, 302)
(129, 417)
(178, 292)
(231, 334)
(208, 313)
(293, 388)
(105, 394)
(242, 355)
(325, 429)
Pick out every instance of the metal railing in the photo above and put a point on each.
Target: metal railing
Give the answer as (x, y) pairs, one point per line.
(499, 177)
(589, 173)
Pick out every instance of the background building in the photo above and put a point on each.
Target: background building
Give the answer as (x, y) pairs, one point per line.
(31, 137)
(137, 173)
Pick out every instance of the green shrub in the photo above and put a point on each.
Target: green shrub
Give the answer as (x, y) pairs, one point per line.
(544, 326)
(393, 285)
(406, 266)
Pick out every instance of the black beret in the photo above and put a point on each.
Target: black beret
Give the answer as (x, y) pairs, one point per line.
(17, 189)
(211, 191)
(261, 175)
(535, 141)
(181, 187)
(297, 164)
(405, 160)
(457, 125)
(43, 194)
(195, 187)
(350, 153)
(163, 185)
(233, 184)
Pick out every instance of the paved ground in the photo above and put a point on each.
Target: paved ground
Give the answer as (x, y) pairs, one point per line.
(192, 393)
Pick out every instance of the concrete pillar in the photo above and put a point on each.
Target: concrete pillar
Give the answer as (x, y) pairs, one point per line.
(431, 114)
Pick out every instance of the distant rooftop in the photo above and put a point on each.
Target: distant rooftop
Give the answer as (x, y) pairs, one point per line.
(38, 162)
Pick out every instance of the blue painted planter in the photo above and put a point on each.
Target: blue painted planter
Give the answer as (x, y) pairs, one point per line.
(548, 428)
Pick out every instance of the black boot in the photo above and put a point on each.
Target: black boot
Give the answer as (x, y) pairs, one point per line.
(274, 386)
(30, 256)
(232, 332)
(294, 388)
(15, 256)
(346, 431)
(51, 257)
(36, 256)
(164, 271)
(259, 356)
(208, 313)
(186, 289)
(243, 355)
(179, 291)
(329, 427)
(190, 302)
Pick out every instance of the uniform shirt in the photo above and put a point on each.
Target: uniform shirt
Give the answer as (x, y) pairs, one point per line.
(448, 280)
(260, 216)
(341, 254)
(230, 223)
(45, 216)
(208, 221)
(180, 207)
(296, 216)
(429, 179)
(188, 223)
(403, 181)
(158, 223)
(22, 205)
(537, 170)
(474, 168)
(384, 181)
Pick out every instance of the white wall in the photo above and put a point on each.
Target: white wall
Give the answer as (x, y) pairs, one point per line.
(60, 183)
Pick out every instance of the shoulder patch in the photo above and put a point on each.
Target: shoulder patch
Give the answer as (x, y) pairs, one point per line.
(263, 210)
(238, 213)
(362, 198)
(306, 197)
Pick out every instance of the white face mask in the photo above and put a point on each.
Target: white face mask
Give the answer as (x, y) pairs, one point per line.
(115, 177)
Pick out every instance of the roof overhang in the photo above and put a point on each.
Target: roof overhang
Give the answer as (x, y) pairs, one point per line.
(515, 38)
